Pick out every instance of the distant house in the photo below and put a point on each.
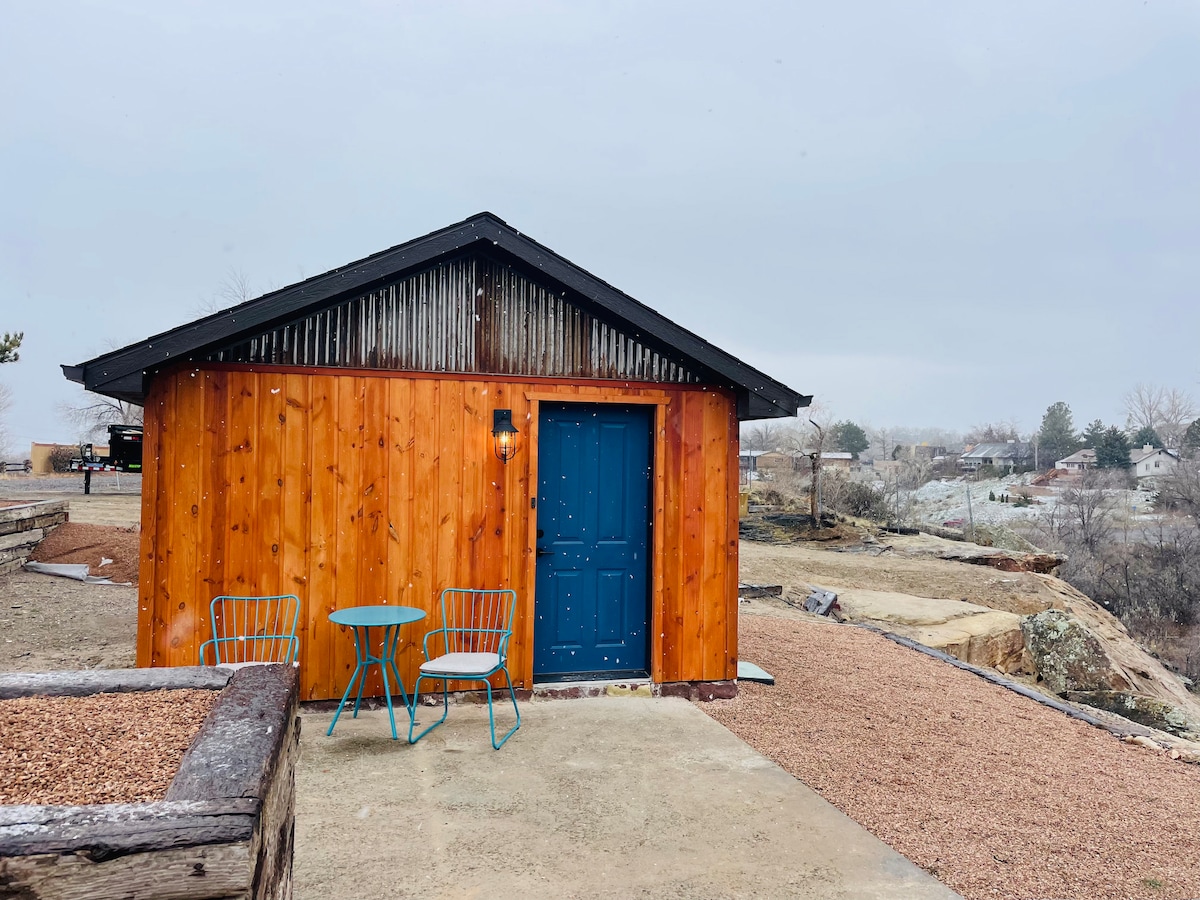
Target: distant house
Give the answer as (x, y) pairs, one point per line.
(886, 468)
(748, 464)
(767, 464)
(1010, 455)
(1077, 462)
(1150, 462)
(918, 451)
(839, 461)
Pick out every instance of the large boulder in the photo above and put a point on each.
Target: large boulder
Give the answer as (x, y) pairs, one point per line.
(1086, 656)
(966, 631)
(1068, 656)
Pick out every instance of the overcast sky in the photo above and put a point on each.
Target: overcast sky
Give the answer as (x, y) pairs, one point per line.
(934, 214)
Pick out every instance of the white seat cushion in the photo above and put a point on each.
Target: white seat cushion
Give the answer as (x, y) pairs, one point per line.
(461, 664)
(244, 665)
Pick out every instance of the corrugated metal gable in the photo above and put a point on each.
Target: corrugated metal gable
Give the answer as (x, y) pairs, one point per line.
(472, 314)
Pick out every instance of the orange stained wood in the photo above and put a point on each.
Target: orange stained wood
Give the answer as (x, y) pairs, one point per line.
(370, 488)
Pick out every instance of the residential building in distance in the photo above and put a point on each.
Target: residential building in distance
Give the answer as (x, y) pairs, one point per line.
(1079, 461)
(1150, 462)
(1010, 456)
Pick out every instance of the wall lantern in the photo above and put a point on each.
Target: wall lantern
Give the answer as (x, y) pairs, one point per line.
(504, 435)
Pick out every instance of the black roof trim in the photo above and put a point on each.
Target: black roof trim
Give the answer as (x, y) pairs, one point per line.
(123, 373)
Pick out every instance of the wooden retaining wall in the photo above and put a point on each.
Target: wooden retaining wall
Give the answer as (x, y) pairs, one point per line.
(226, 827)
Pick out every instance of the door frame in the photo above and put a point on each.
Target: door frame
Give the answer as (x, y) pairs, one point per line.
(659, 399)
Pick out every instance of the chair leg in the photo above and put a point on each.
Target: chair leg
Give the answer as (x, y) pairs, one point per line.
(445, 709)
(492, 719)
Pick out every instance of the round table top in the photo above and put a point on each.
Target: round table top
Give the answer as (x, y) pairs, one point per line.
(371, 616)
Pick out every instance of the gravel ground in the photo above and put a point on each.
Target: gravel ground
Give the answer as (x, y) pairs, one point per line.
(106, 748)
(54, 487)
(993, 794)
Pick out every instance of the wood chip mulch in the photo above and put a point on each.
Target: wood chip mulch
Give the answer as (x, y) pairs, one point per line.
(76, 542)
(993, 794)
(104, 748)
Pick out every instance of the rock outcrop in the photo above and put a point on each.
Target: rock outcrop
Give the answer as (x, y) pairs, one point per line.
(1130, 668)
(967, 631)
(1139, 708)
(1068, 656)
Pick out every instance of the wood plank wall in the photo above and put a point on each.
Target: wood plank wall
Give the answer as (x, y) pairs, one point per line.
(366, 488)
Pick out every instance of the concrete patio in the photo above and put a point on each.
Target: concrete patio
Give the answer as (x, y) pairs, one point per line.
(609, 797)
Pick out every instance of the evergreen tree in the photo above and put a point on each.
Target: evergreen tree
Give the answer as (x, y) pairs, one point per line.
(1191, 438)
(8, 346)
(850, 438)
(1113, 450)
(1093, 435)
(1057, 439)
(1146, 435)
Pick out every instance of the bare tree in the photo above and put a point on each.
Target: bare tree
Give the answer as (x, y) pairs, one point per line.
(5, 404)
(993, 432)
(814, 486)
(1087, 512)
(882, 443)
(234, 289)
(1179, 489)
(762, 436)
(1167, 411)
(92, 418)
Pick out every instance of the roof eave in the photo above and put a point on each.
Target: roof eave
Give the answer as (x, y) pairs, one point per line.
(122, 373)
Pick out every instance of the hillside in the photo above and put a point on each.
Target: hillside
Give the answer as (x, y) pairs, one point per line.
(981, 615)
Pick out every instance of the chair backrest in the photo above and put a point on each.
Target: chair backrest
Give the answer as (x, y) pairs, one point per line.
(252, 629)
(477, 621)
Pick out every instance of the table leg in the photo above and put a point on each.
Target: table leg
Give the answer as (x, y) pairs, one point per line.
(384, 659)
(362, 650)
(359, 675)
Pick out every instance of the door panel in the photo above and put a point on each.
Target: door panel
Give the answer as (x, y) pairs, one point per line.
(592, 602)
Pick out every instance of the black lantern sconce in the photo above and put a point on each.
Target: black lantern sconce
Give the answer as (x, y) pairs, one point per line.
(504, 435)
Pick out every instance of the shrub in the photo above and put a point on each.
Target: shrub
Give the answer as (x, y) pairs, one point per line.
(60, 458)
(864, 501)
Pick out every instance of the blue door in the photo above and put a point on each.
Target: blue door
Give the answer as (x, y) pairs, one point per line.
(592, 600)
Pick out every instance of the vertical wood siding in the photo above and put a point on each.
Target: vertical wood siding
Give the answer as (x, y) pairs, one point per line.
(364, 488)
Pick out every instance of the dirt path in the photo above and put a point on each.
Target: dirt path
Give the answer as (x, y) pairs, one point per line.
(52, 623)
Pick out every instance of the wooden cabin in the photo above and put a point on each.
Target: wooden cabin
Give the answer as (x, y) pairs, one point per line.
(334, 439)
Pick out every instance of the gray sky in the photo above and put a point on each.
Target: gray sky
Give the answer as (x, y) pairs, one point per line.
(932, 214)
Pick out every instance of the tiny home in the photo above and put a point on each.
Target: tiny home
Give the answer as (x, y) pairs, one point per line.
(346, 439)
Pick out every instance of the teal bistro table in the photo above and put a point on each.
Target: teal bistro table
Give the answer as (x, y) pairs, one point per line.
(362, 619)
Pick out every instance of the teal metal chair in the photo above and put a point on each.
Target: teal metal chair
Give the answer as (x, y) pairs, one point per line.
(476, 629)
(252, 630)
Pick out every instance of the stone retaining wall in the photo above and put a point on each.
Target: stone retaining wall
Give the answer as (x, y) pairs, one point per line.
(22, 526)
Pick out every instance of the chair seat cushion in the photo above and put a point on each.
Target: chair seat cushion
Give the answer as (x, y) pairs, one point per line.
(461, 664)
(250, 662)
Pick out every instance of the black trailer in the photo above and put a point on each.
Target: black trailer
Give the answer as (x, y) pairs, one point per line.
(124, 454)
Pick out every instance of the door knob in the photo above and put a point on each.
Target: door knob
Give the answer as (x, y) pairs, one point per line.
(542, 552)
